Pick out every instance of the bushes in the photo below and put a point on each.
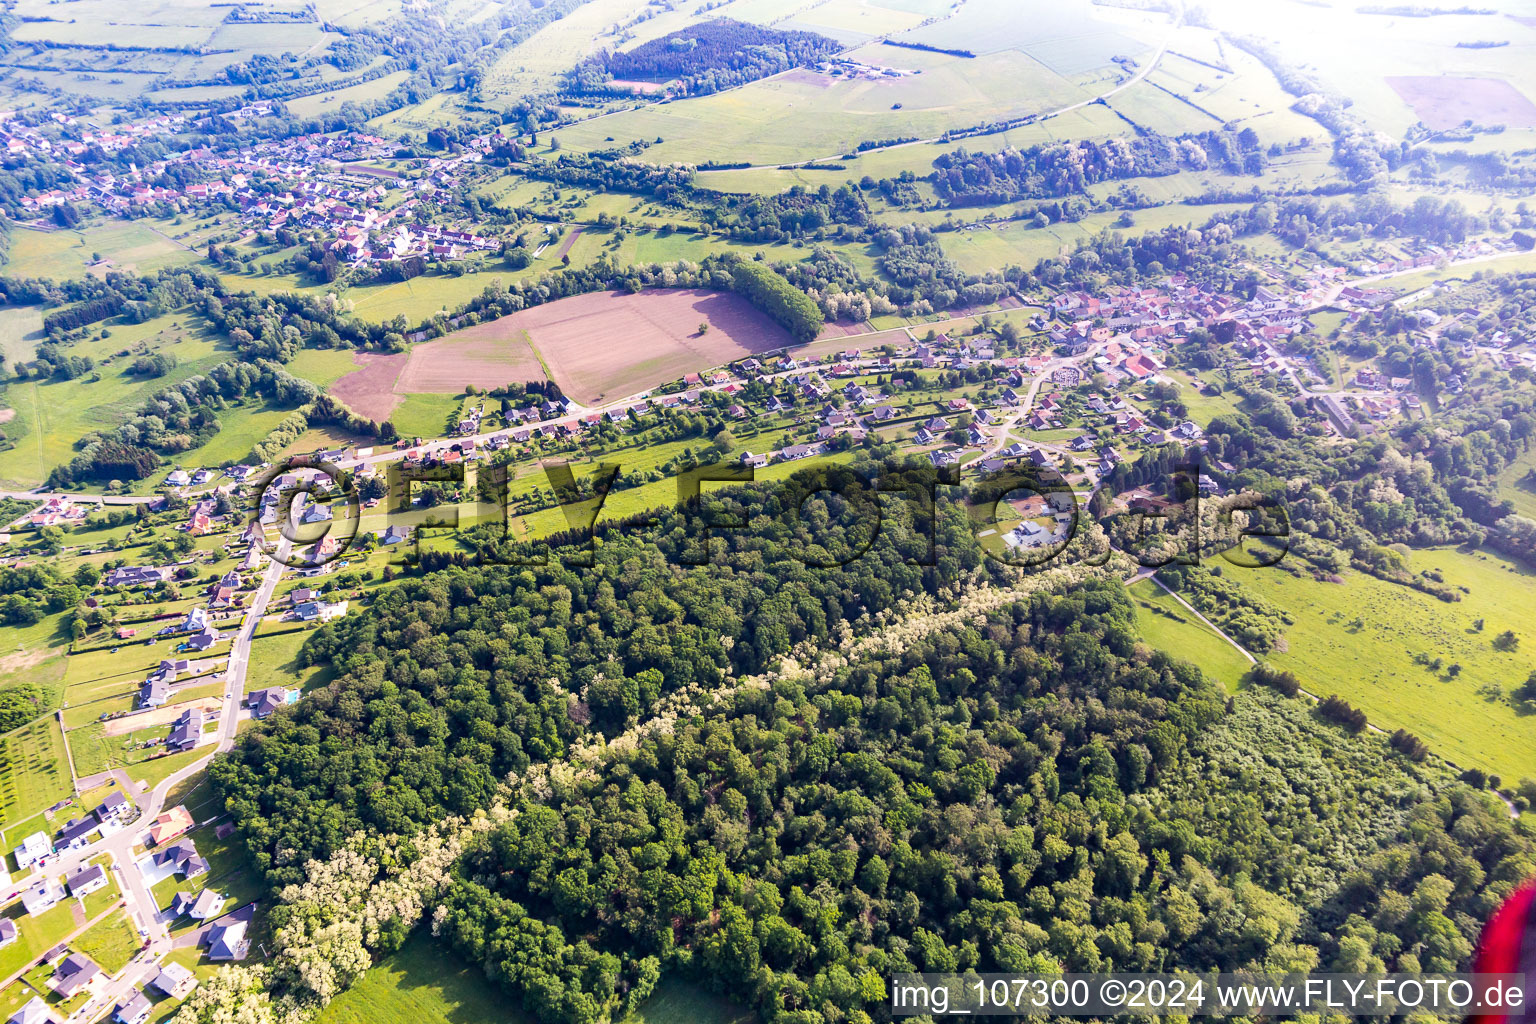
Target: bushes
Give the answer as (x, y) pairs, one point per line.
(1266, 674)
(281, 436)
(1409, 745)
(1338, 710)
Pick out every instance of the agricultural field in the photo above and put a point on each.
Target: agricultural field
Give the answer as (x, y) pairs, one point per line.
(597, 347)
(1363, 639)
(1070, 37)
(1357, 53)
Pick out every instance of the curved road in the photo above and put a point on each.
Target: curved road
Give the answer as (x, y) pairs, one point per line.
(119, 845)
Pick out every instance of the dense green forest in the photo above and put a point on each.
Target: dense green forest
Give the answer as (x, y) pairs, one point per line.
(809, 781)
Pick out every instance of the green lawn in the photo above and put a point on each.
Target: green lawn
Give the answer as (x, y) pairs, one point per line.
(1514, 486)
(35, 935)
(1360, 639)
(1190, 639)
(272, 663)
(111, 942)
(50, 416)
(425, 983)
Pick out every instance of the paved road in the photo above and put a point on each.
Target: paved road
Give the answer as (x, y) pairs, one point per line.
(82, 499)
(119, 846)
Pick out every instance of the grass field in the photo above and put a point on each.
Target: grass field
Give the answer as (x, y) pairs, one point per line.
(1190, 639)
(1359, 639)
(1514, 486)
(425, 983)
(272, 664)
(33, 772)
(51, 415)
(62, 255)
(111, 942)
(801, 115)
(36, 935)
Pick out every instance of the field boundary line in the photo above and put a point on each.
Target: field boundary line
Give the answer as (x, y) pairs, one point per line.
(1219, 632)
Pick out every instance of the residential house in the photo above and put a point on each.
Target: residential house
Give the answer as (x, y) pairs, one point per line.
(75, 972)
(206, 906)
(796, 451)
(33, 849)
(42, 896)
(204, 639)
(34, 1012)
(115, 809)
(186, 731)
(76, 834)
(182, 859)
(86, 880)
(8, 931)
(169, 824)
(228, 941)
(174, 980)
(135, 1011)
(135, 575)
(263, 702)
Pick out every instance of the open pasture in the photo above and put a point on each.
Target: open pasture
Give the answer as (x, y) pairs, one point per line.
(50, 415)
(1368, 641)
(801, 115)
(1070, 37)
(425, 983)
(857, 21)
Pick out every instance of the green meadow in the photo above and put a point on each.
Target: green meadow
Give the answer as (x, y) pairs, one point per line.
(50, 415)
(1168, 626)
(425, 983)
(1374, 644)
(34, 774)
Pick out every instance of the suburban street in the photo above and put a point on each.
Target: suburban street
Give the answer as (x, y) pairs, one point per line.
(119, 846)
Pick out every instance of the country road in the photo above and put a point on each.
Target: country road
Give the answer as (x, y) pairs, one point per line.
(119, 846)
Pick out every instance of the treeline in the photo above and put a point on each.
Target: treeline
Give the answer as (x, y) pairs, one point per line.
(770, 292)
(703, 58)
(83, 314)
(1053, 170)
